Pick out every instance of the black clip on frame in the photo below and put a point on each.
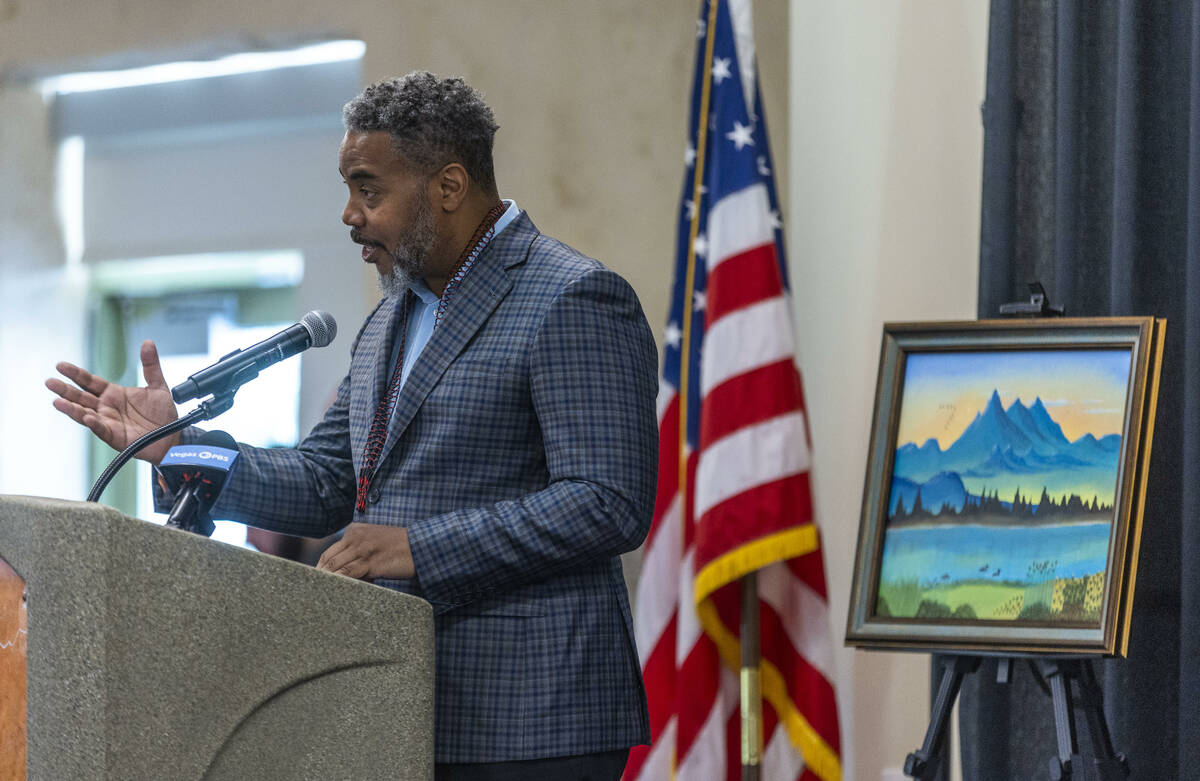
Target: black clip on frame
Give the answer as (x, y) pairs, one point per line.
(1038, 305)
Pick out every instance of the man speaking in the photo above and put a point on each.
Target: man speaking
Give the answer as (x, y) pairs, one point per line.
(492, 448)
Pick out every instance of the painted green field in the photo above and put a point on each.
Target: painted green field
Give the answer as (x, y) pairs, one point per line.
(985, 598)
(1056, 599)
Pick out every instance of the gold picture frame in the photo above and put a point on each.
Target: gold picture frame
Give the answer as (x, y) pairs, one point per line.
(1005, 483)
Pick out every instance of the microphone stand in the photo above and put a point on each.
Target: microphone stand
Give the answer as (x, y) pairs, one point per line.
(220, 402)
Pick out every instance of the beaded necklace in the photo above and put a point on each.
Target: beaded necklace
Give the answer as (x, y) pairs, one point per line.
(383, 413)
(483, 235)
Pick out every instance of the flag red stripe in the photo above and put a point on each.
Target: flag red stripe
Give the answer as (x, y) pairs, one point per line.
(762, 510)
(668, 466)
(633, 765)
(659, 674)
(807, 687)
(694, 701)
(757, 395)
(733, 746)
(741, 280)
(689, 503)
(810, 569)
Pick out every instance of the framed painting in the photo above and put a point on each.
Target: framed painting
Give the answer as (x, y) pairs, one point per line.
(1005, 483)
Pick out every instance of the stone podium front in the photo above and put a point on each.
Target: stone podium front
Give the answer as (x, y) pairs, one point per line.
(157, 654)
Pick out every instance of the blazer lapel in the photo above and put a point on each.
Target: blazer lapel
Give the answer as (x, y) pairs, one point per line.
(381, 364)
(482, 290)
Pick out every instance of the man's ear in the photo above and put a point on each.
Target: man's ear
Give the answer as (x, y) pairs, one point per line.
(451, 184)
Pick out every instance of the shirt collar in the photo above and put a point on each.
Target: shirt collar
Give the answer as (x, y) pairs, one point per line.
(511, 213)
(423, 292)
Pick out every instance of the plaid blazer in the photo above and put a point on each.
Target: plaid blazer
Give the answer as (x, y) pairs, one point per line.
(522, 460)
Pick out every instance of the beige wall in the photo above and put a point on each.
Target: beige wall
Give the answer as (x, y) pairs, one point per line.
(878, 104)
(590, 96)
(591, 99)
(886, 148)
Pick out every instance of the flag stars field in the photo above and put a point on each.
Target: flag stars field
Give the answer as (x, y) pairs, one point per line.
(741, 135)
(720, 69)
(673, 336)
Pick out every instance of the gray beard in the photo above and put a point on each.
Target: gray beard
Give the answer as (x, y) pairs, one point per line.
(395, 282)
(410, 261)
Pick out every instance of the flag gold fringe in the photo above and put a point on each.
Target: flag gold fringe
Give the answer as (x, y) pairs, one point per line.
(818, 755)
(754, 555)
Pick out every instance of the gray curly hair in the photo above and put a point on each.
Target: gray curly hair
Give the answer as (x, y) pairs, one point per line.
(432, 122)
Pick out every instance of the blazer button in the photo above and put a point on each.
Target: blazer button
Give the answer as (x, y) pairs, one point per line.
(373, 497)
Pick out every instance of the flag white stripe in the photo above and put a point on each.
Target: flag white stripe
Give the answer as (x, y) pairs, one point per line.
(749, 457)
(805, 616)
(658, 583)
(705, 759)
(745, 339)
(739, 222)
(742, 17)
(687, 627)
(666, 394)
(780, 760)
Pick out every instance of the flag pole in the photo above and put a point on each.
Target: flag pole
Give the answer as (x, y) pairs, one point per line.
(751, 687)
(710, 35)
(751, 691)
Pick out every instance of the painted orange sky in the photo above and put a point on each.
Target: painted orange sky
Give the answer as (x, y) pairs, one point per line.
(1083, 390)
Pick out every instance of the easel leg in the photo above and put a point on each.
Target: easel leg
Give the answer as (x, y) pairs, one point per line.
(1059, 679)
(1109, 765)
(918, 764)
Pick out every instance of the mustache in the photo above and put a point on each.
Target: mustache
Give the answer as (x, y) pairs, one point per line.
(357, 237)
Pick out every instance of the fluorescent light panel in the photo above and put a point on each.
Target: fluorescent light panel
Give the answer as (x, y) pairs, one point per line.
(245, 62)
(174, 273)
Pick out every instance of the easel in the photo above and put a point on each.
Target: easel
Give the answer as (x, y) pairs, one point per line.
(1057, 672)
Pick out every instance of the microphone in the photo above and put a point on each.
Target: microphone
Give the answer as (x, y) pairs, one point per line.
(315, 329)
(197, 473)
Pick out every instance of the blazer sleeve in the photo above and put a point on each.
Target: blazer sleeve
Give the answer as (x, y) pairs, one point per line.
(593, 384)
(307, 490)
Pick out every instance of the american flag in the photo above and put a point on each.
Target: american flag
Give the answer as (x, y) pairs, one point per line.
(733, 485)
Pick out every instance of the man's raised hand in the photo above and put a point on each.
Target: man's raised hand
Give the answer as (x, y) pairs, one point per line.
(116, 414)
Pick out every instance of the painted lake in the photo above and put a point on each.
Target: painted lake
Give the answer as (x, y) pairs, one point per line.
(1047, 573)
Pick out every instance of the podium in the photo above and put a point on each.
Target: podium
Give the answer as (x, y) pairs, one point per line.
(153, 654)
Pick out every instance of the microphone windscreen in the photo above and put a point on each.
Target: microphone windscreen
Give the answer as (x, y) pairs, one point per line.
(218, 439)
(321, 327)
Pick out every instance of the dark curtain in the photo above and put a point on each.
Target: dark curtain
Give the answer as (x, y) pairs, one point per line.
(1091, 184)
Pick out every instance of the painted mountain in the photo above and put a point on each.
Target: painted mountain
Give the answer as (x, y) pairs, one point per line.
(1020, 451)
